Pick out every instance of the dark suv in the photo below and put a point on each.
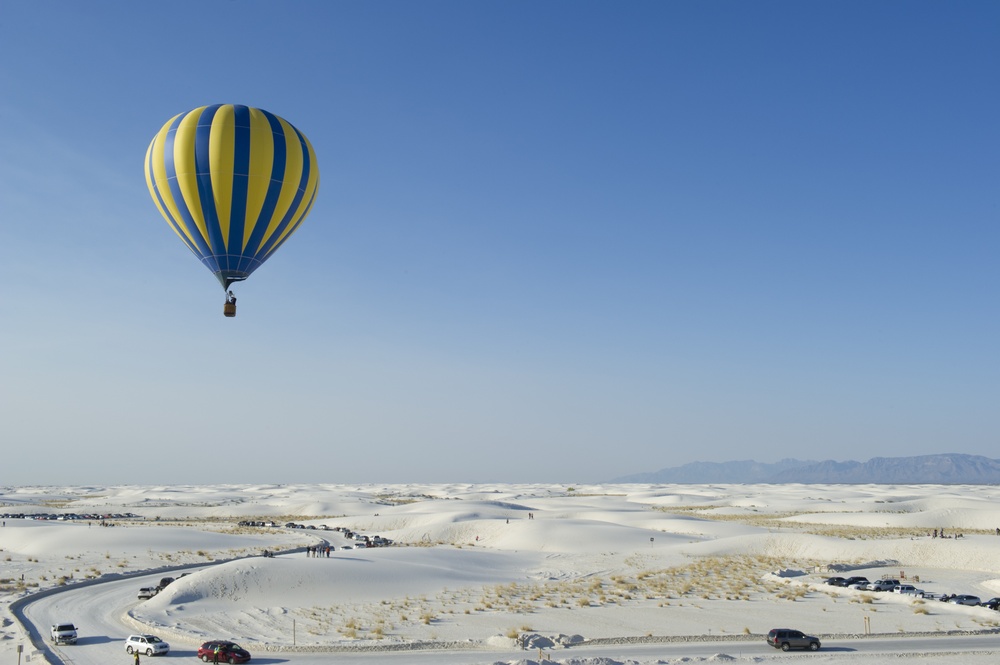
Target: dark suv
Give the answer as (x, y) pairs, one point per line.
(863, 581)
(787, 639)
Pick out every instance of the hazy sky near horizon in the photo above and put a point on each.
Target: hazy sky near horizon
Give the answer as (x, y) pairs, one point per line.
(554, 241)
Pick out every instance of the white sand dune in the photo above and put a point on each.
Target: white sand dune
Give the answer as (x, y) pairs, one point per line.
(484, 563)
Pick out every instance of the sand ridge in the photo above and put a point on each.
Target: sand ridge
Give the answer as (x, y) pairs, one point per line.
(480, 563)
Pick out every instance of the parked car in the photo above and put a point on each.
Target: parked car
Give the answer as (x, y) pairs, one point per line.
(908, 590)
(164, 582)
(833, 581)
(147, 592)
(151, 645)
(992, 603)
(787, 639)
(964, 599)
(854, 580)
(229, 652)
(882, 585)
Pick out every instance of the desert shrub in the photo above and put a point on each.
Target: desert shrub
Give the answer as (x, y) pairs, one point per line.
(350, 628)
(793, 593)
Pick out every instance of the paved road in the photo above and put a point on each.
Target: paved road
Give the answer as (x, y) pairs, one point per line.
(98, 609)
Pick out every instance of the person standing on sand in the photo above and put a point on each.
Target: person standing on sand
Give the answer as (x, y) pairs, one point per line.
(215, 654)
(136, 654)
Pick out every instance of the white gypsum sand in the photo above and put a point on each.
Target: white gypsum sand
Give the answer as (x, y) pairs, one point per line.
(491, 563)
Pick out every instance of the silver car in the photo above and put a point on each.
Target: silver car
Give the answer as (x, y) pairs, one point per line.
(964, 600)
(151, 645)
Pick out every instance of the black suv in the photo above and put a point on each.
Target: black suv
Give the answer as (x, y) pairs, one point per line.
(787, 639)
(853, 580)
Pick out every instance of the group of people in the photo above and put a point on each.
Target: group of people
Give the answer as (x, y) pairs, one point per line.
(940, 534)
(318, 551)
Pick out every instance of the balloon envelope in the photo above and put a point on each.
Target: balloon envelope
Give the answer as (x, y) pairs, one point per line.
(233, 182)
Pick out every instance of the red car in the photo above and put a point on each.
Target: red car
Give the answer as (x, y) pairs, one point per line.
(229, 652)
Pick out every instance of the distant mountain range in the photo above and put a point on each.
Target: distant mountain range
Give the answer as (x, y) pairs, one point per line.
(946, 469)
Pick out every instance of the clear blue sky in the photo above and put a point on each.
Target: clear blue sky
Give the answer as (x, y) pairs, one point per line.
(554, 241)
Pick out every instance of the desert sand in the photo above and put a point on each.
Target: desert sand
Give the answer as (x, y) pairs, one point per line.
(518, 567)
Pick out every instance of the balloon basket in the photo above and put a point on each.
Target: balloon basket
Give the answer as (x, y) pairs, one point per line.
(229, 309)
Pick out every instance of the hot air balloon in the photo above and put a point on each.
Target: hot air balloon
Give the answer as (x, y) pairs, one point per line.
(233, 182)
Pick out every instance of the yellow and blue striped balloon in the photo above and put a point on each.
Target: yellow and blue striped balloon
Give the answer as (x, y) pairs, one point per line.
(233, 182)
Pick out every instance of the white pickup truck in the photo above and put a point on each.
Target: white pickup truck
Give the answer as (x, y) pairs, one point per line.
(63, 633)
